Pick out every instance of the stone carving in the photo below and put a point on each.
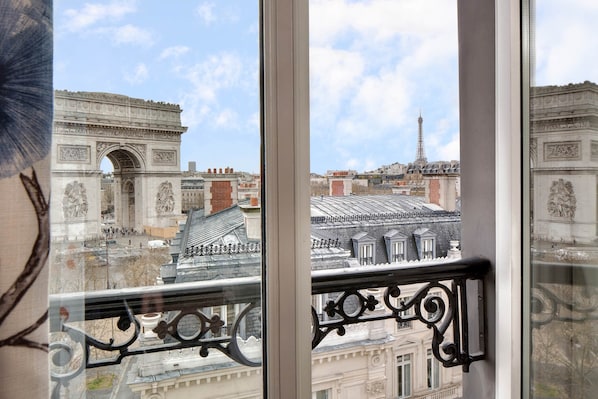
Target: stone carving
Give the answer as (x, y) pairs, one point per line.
(165, 199)
(561, 201)
(101, 146)
(566, 150)
(562, 124)
(164, 157)
(106, 131)
(140, 148)
(375, 387)
(74, 153)
(74, 202)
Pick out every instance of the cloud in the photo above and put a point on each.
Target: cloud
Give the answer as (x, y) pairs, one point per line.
(449, 151)
(564, 56)
(173, 52)
(219, 84)
(139, 75)
(130, 34)
(218, 72)
(205, 11)
(90, 14)
(379, 20)
(373, 65)
(226, 118)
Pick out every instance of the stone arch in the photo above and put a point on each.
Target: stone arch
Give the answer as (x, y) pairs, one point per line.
(142, 140)
(122, 156)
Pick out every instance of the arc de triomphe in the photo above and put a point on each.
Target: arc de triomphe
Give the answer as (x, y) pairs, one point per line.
(141, 138)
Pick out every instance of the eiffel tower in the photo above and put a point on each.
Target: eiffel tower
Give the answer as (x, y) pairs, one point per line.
(420, 157)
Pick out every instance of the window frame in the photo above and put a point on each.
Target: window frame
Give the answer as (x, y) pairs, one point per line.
(490, 127)
(405, 363)
(432, 371)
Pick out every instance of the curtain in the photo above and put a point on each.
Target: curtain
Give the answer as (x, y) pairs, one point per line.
(25, 138)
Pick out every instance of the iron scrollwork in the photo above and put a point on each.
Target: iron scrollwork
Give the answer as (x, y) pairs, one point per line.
(70, 353)
(435, 304)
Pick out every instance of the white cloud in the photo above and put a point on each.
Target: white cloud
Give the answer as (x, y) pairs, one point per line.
(218, 78)
(173, 52)
(90, 14)
(564, 51)
(380, 20)
(226, 118)
(449, 151)
(205, 11)
(130, 34)
(333, 73)
(216, 73)
(373, 64)
(139, 74)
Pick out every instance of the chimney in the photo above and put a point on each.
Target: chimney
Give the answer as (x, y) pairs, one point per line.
(252, 219)
(220, 190)
(442, 191)
(340, 183)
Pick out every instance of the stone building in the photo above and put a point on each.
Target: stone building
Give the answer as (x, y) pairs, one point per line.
(564, 163)
(379, 359)
(141, 138)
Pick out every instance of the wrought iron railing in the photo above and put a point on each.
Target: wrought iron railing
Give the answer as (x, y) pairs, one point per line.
(448, 300)
(563, 292)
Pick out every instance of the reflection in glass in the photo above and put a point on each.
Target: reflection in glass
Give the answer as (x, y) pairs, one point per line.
(563, 192)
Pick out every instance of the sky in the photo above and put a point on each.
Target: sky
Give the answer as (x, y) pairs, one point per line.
(375, 66)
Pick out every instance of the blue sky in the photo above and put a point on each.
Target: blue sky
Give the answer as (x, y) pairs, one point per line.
(374, 66)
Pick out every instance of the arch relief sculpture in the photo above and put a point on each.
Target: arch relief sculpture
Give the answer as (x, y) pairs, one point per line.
(165, 199)
(74, 202)
(561, 201)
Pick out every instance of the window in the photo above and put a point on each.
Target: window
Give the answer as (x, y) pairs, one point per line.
(395, 246)
(425, 241)
(490, 41)
(428, 248)
(366, 254)
(404, 376)
(401, 302)
(561, 203)
(364, 247)
(432, 370)
(321, 394)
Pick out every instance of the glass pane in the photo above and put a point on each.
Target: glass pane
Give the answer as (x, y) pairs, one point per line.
(156, 199)
(384, 126)
(563, 148)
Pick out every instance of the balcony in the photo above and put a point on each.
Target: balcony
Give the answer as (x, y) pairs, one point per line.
(448, 300)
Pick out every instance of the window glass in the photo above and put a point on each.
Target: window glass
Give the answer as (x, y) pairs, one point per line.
(385, 171)
(157, 189)
(404, 376)
(563, 200)
(432, 370)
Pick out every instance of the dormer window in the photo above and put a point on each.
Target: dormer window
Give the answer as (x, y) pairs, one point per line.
(396, 246)
(364, 248)
(425, 241)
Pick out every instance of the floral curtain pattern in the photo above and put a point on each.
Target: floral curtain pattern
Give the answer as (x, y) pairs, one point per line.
(25, 136)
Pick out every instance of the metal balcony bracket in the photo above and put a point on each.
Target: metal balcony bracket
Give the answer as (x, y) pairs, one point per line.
(440, 303)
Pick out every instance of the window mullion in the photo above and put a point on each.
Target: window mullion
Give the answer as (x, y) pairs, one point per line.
(286, 207)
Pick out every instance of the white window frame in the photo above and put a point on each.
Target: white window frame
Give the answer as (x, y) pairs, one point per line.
(433, 374)
(490, 125)
(366, 254)
(405, 363)
(397, 251)
(428, 248)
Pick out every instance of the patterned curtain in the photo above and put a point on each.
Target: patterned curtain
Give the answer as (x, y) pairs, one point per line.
(25, 137)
